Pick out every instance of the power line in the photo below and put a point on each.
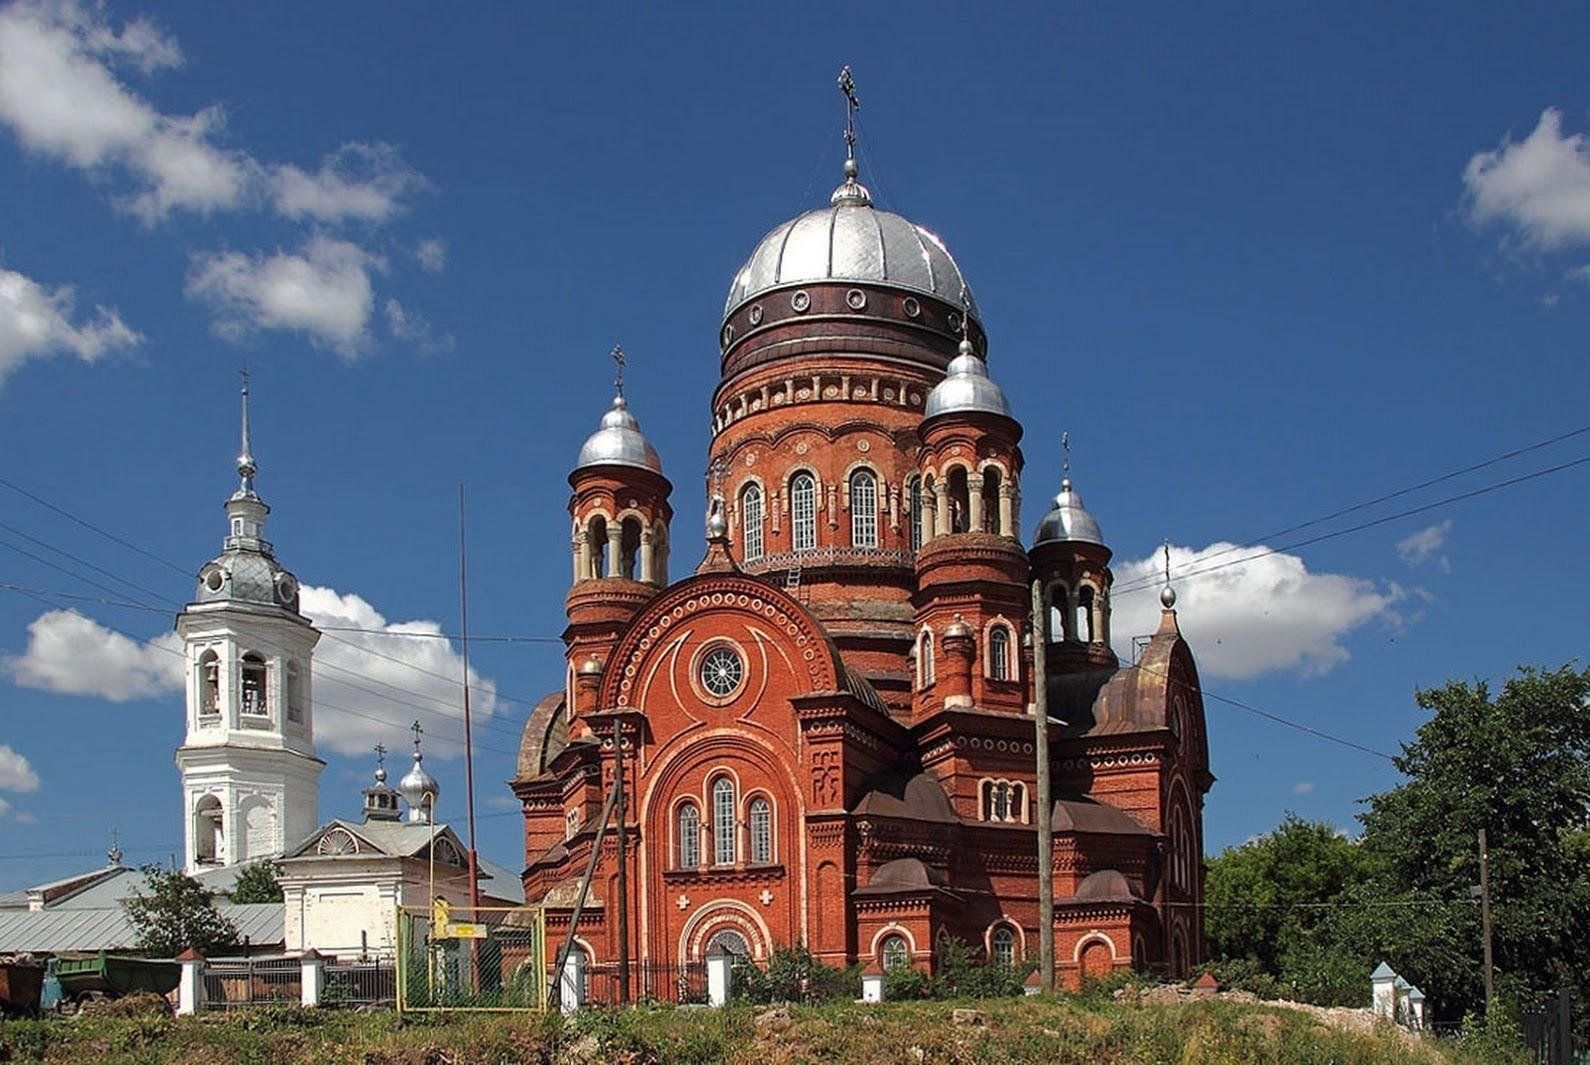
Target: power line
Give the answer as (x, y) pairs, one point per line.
(45, 503)
(1145, 583)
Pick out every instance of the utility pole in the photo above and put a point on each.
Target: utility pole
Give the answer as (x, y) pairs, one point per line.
(1485, 923)
(621, 835)
(469, 741)
(1040, 702)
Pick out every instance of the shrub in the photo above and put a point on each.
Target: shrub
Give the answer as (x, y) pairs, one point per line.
(794, 975)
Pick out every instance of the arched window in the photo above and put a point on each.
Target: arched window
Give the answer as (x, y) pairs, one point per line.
(999, 653)
(1084, 629)
(991, 500)
(1002, 947)
(863, 509)
(960, 500)
(1001, 802)
(1059, 612)
(596, 546)
(689, 836)
(924, 658)
(207, 830)
(761, 832)
(803, 512)
(751, 522)
(209, 683)
(254, 701)
(571, 823)
(628, 547)
(729, 940)
(894, 952)
(723, 803)
(913, 505)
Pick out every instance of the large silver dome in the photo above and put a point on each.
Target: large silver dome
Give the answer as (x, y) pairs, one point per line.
(850, 240)
(966, 388)
(619, 442)
(1068, 520)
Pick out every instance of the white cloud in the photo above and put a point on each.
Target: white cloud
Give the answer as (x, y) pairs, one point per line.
(1540, 185)
(15, 772)
(367, 687)
(1264, 616)
(413, 328)
(60, 97)
(364, 182)
(426, 674)
(37, 322)
(71, 654)
(322, 290)
(1425, 546)
(431, 255)
(1580, 274)
(1302, 787)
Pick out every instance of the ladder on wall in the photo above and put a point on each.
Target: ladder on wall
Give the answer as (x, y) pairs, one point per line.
(792, 584)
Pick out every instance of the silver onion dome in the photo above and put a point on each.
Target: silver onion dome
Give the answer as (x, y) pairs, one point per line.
(966, 388)
(619, 442)
(1068, 520)
(415, 786)
(850, 240)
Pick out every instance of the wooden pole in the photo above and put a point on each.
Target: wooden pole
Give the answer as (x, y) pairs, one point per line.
(469, 745)
(1040, 702)
(1485, 923)
(622, 837)
(579, 899)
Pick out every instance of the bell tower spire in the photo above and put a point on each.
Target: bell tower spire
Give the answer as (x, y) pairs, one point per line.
(245, 457)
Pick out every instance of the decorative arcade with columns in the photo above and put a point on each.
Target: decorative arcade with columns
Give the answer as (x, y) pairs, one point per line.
(827, 731)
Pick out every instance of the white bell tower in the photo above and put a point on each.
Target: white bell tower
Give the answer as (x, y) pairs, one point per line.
(248, 765)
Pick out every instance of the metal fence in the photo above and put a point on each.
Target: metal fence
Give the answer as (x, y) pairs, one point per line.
(237, 983)
(486, 958)
(1549, 1033)
(648, 981)
(359, 984)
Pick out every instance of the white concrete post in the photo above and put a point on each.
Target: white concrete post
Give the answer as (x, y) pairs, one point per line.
(190, 987)
(1383, 985)
(1415, 1009)
(872, 987)
(312, 982)
(719, 963)
(571, 983)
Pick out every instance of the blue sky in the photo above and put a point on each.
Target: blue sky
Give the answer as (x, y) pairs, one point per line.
(1262, 263)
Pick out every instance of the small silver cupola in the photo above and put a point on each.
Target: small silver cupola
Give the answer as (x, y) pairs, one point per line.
(618, 441)
(966, 388)
(419, 789)
(1068, 519)
(381, 801)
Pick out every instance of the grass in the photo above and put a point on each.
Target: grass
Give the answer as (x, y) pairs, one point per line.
(1060, 1030)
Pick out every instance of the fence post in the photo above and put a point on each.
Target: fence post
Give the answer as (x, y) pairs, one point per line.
(571, 982)
(312, 977)
(1565, 1024)
(1383, 984)
(190, 988)
(872, 983)
(719, 964)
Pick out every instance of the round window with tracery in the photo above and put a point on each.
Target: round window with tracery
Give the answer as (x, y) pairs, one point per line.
(722, 672)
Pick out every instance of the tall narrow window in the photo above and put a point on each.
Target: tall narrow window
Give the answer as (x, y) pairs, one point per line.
(254, 684)
(689, 836)
(761, 831)
(1002, 947)
(723, 848)
(1001, 802)
(751, 522)
(999, 653)
(295, 692)
(991, 522)
(1018, 802)
(1084, 628)
(960, 501)
(863, 509)
(925, 658)
(803, 512)
(596, 546)
(629, 548)
(209, 683)
(913, 504)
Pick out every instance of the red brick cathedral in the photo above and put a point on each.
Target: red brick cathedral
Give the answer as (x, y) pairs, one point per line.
(827, 728)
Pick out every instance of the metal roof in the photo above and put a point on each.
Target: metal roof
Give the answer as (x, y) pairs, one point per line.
(109, 928)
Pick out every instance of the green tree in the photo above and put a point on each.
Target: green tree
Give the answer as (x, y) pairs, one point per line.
(177, 913)
(1268, 898)
(1516, 764)
(257, 882)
